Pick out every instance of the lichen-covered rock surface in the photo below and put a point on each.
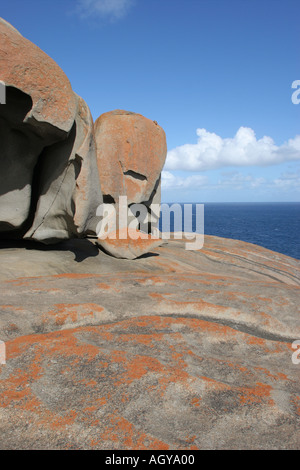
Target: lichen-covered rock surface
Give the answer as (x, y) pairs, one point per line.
(53, 158)
(50, 185)
(131, 152)
(175, 350)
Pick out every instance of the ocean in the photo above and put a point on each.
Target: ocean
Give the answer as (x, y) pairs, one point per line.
(275, 226)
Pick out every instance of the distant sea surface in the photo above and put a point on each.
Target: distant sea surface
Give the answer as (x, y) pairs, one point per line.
(275, 226)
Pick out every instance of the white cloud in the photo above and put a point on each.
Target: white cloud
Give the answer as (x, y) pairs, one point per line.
(244, 149)
(288, 181)
(169, 180)
(239, 181)
(234, 181)
(112, 9)
(230, 180)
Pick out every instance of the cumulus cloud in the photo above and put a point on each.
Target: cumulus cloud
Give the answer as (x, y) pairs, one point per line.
(244, 149)
(112, 9)
(169, 180)
(288, 181)
(239, 181)
(232, 180)
(235, 181)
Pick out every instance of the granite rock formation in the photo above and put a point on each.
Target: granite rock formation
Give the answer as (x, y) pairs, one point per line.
(50, 186)
(129, 243)
(179, 350)
(176, 349)
(131, 152)
(50, 169)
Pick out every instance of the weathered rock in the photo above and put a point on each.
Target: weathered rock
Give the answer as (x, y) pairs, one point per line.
(69, 185)
(49, 179)
(131, 152)
(26, 67)
(49, 170)
(129, 243)
(174, 350)
(177, 350)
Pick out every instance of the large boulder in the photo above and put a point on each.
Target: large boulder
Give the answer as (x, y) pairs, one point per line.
(50, 187)
(26, 67)
(69, 185)
(131, 152)
(53, 159)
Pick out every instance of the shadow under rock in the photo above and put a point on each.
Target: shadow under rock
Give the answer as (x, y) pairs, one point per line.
(82, 248)
(145, 255)
(148, 255)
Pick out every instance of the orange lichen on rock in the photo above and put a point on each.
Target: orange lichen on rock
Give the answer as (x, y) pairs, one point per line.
(131, 152)
(128, 243)
(71, 313)
(141, 383)
(27, 67)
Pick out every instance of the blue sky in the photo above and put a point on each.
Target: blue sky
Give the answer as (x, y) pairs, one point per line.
(215, 74)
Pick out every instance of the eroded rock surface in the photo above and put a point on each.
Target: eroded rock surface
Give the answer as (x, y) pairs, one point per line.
(52, 158)
(131, 152)
(175, 350)
(129, 244)
(49, 179)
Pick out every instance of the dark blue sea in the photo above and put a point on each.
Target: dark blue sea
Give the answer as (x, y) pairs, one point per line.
(275, 226)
